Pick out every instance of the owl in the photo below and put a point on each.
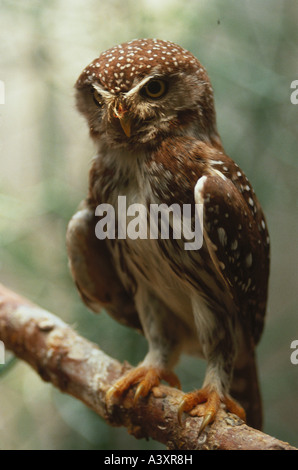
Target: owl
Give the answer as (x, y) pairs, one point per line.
(150, 110)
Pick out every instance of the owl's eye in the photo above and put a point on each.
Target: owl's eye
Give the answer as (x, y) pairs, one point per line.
(155, 89)
(98, 99)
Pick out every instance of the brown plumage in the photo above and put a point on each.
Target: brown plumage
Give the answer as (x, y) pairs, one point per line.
(149, 106)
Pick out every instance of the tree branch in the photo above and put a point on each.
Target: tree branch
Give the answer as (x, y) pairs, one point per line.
(78, 367)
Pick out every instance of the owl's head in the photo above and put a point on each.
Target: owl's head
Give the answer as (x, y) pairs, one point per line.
(142, 91)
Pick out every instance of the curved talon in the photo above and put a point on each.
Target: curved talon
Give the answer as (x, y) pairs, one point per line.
(208, 399)
(190, 401)
(180, 412)
(207, 419)
(139, 392)
(110, 394)
(209, 403)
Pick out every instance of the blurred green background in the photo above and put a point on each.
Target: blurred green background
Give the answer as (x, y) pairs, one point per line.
(250, 51)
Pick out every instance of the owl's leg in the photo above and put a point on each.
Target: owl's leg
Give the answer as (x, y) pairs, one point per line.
(162, 355)
(218, 344)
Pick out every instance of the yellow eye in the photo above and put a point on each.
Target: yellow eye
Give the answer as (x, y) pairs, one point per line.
(155, 89)
(97, 98)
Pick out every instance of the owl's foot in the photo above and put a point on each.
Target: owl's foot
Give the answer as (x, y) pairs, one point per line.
(145, 377)
(206, 403)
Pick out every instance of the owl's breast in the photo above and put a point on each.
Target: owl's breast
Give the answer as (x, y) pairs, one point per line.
(146, 251)
(139, 255)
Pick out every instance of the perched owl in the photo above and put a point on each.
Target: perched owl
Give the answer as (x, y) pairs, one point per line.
(150, 110)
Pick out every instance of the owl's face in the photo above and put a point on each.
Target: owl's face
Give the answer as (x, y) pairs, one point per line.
(140, 92)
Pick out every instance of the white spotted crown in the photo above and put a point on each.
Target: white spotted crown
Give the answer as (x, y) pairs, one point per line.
(116, 68)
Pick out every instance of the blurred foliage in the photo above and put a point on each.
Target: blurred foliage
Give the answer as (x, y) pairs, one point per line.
(249, 48)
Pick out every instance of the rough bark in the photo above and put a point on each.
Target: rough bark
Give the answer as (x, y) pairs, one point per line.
(78, 367)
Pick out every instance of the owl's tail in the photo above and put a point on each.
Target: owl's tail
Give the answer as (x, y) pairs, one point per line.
(245, 389)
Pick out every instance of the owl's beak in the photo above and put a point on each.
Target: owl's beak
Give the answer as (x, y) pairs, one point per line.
(125, 119)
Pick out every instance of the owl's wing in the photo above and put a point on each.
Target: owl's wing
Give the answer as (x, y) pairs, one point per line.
(236, 238)
(234, 258)
(93, 270)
